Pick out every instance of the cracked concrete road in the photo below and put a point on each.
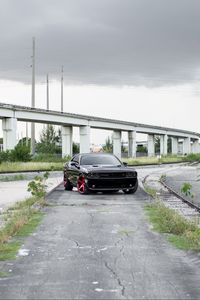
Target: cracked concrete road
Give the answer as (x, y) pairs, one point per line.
(99, 247)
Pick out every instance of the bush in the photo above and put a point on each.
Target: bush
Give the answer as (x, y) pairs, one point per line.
(38, 186)
(20, 153)
(4, 156)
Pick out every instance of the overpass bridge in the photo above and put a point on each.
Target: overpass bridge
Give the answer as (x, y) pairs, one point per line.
(10, 114)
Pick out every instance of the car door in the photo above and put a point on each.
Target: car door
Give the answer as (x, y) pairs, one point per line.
(74, 171)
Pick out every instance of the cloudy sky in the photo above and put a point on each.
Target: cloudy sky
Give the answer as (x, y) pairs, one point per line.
(136, 60)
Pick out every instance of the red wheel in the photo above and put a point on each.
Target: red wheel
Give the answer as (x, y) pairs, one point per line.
(81, 185)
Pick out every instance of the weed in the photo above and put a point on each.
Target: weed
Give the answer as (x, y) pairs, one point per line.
(186, 189)
(29, 228)
(182, 233)
(151, 191)
(163, 177)
(38, 186)
(21, 220)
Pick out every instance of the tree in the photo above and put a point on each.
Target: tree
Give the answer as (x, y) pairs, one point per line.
(48, 141)
(76, 148)
(26, 142)
(108, 147)
(141, 149)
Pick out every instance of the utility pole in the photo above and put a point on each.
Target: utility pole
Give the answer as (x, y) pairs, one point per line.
(33, 98)
(47, 92)
(62, 89)
(27, 134)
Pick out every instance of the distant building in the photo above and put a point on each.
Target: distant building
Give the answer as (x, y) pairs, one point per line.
(96, 148)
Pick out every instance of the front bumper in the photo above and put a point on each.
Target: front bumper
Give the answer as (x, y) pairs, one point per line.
(111, 184)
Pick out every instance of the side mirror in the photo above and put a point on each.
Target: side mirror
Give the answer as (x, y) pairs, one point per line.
(74, 164)
(125, 164)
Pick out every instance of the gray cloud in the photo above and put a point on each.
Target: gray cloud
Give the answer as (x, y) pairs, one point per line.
(150, 42)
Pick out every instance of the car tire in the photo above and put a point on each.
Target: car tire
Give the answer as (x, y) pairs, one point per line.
(131, 191)
(82, 186)
(68, 185)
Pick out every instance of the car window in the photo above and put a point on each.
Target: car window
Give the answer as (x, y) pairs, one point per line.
(99, 160)
(75, 159)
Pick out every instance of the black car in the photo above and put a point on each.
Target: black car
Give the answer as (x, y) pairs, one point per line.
(97, 172)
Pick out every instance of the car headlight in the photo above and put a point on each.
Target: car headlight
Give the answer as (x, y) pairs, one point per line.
(130, 174)
(93, 175)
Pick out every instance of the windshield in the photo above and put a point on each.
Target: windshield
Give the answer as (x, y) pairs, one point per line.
(100, 159)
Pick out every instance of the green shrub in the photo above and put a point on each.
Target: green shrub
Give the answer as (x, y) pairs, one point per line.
(192, 157)
(20, 153)
(38, 186)
(186, 189)
(4, 156)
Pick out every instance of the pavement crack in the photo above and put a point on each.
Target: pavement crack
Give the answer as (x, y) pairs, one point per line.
(75, 242)
(117, 278)
(121, 250)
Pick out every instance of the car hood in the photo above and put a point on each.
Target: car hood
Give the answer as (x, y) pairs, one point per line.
(106, 168)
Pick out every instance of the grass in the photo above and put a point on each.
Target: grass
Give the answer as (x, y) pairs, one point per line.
(45, 157)
(152, 192)
(50, 163)
(20, 221)
(192, 157)
(30, 166)
(13, 178)
(4, 274)
(29, 228)
(181, 233)
(8, 251)
(154, 160)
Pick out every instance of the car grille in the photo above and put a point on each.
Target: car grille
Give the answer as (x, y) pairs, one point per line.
(112, 175)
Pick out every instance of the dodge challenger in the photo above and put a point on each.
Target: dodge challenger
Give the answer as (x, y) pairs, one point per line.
(99, 172)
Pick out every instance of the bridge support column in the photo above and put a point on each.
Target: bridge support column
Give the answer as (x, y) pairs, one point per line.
(196, 147)
(163, 144)
(174, 145)
(132, 143)
(9, 126)
(117, 143)
(66, 141)
(84, 139)
(151, 146)
(187, 146)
